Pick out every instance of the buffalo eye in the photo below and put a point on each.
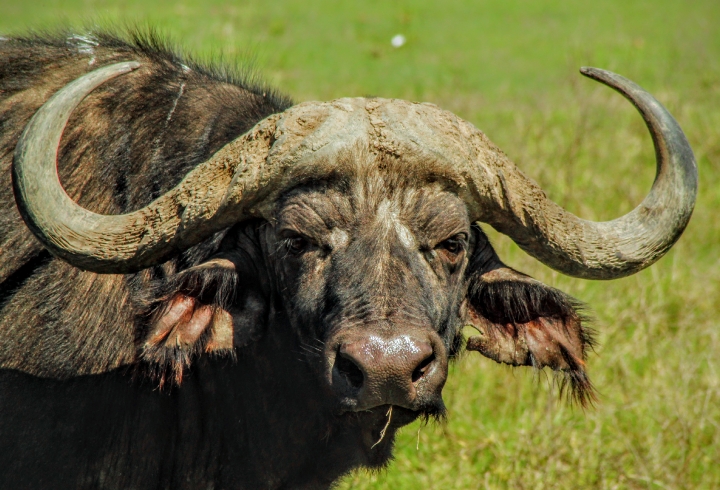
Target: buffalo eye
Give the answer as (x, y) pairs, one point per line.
(454, 245)
(296, 245)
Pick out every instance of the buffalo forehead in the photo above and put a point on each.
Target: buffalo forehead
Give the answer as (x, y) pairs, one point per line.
(417, 215)
(429, 141)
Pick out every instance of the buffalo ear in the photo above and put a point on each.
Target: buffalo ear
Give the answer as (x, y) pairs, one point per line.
(201, 310)
(523, 322)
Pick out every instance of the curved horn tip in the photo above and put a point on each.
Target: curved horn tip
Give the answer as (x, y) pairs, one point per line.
(597, 73)
(628, 244)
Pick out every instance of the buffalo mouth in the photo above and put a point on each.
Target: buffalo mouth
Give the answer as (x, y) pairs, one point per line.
(379, 426)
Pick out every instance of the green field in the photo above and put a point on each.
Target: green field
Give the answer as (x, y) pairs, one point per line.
(510, 67)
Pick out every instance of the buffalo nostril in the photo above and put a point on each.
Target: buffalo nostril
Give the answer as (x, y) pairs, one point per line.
(422, 368)
(350, 370)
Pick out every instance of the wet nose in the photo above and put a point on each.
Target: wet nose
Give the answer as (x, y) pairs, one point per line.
(404, 370)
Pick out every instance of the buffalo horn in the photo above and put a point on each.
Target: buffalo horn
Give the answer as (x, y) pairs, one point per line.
(610, 249)
(182, 217)
(240, 180)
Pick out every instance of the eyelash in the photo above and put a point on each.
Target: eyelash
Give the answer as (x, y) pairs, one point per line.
(296, 245)
(455, 244)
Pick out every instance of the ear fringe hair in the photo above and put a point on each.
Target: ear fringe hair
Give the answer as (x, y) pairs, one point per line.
(167, 367)
(214, 286)
(519, 302)
(577, 389)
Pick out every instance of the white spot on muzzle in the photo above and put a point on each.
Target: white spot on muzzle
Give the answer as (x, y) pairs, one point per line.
(398, 346)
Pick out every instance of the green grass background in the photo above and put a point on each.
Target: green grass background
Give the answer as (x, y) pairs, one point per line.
(510, 67)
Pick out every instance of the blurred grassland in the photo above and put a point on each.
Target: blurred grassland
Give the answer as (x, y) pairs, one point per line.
(510, 67)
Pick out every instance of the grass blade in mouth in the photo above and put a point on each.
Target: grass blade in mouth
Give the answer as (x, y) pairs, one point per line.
(384, 429)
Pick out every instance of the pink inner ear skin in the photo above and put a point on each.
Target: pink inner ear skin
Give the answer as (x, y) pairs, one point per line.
(551, 343)
(182, 329)
(181, 323)
(222, 332)
(498, 345)
(557, 342)
(543, 342)
(201, 319)
(180, 306)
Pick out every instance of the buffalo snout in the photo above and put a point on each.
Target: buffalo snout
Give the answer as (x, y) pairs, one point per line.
(407, 370)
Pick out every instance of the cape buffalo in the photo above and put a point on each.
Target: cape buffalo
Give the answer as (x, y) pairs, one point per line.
(230, 291)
